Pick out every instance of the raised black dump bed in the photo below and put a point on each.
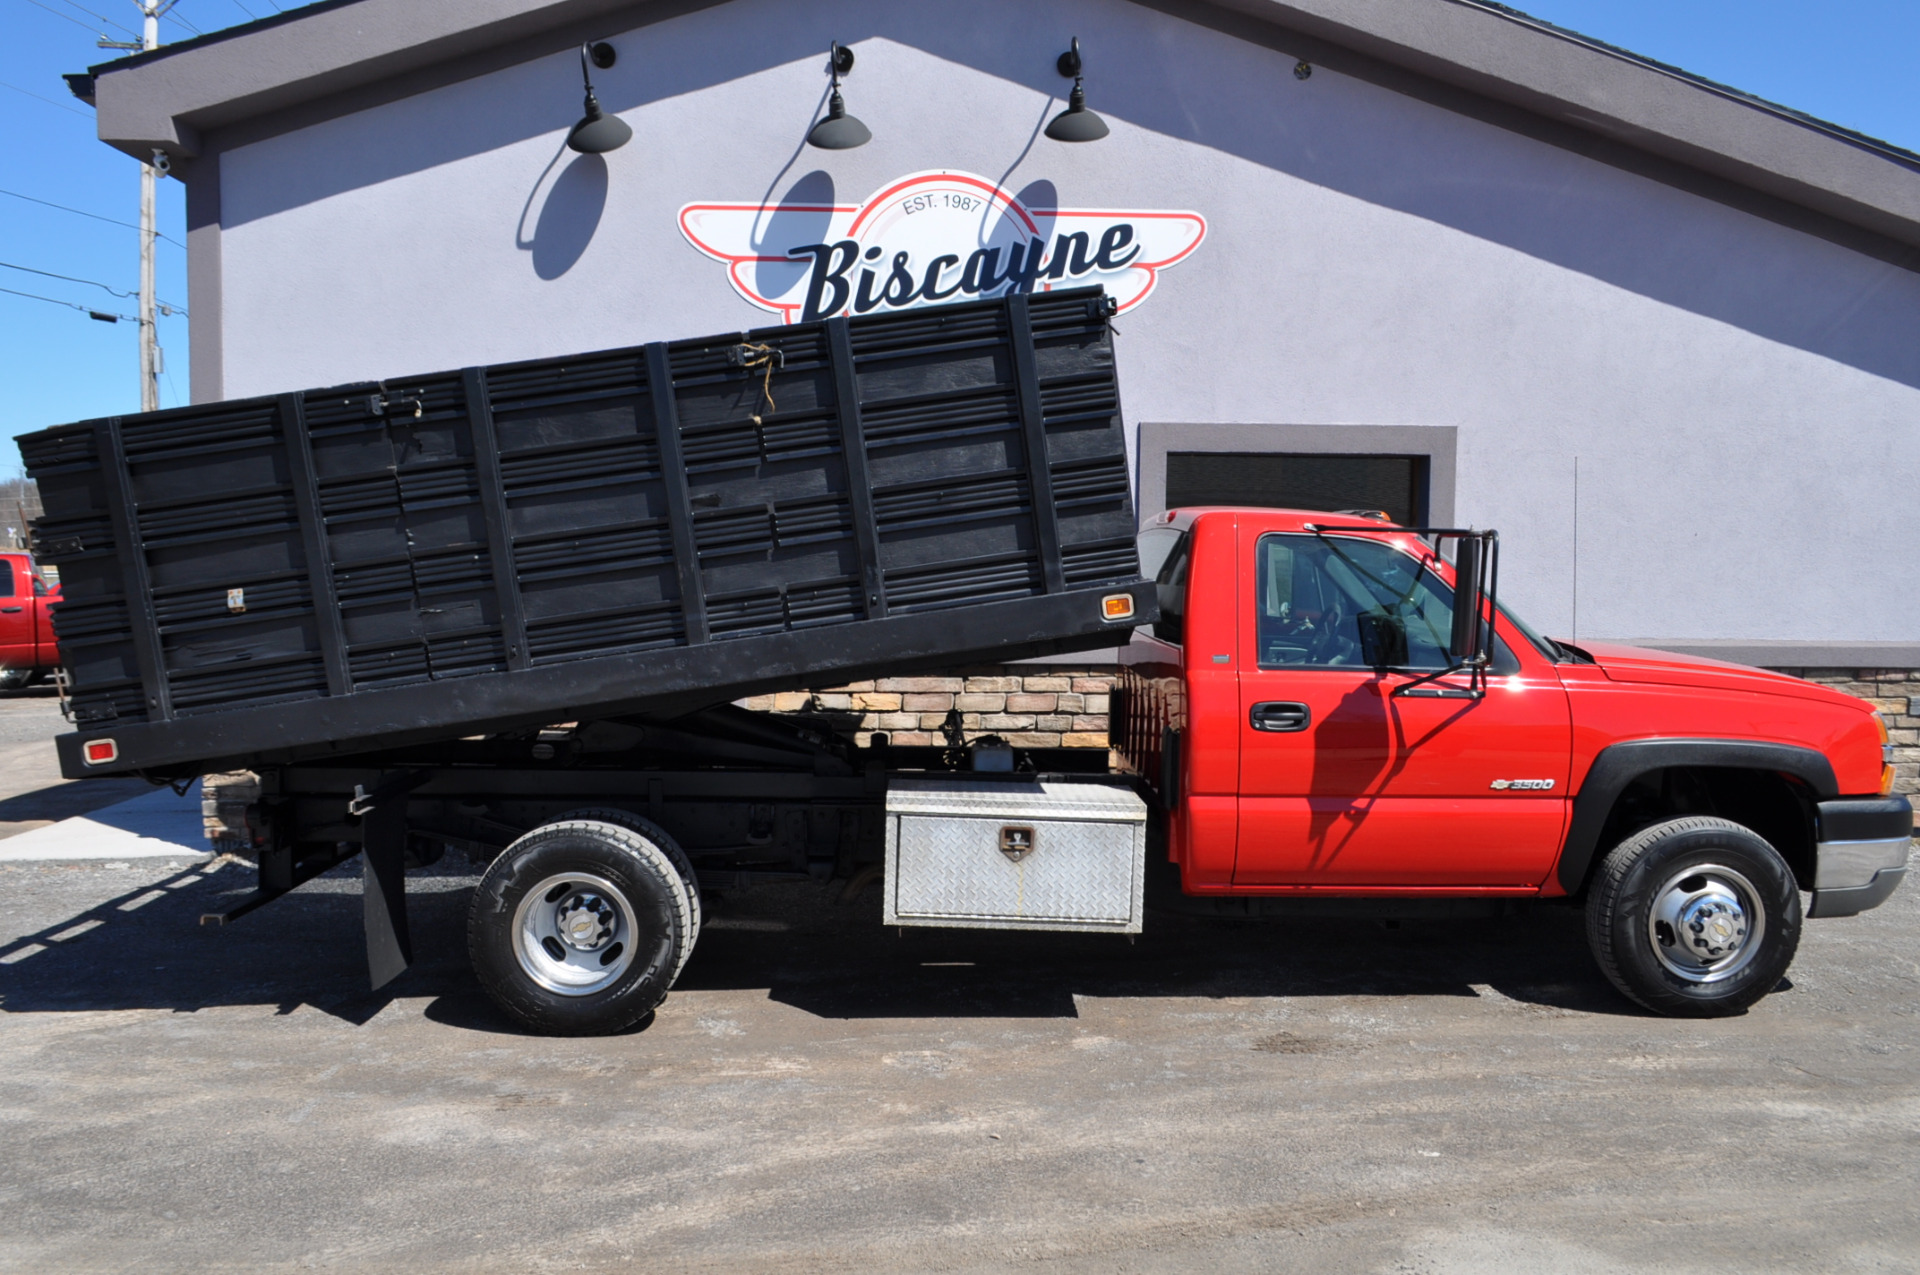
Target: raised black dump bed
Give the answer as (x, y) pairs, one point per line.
(643, 530)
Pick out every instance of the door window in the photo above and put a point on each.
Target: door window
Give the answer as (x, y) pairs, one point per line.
(1340, 602)
(6, 578)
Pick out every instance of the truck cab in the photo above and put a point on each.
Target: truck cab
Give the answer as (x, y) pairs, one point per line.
(27, 647)
(1310, 731)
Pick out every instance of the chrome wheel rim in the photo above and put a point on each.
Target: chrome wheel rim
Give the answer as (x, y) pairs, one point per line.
(1706, 923)
(574, 934)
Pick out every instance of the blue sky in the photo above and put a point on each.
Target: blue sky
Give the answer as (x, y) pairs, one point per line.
(1848, 61)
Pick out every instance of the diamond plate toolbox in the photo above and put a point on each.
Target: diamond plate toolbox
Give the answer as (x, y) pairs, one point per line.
(1013, 855)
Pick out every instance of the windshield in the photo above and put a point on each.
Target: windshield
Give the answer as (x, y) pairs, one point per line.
(1541, 643)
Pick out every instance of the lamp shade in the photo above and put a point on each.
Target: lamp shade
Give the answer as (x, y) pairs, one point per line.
(1077, 123)
(597, 133)
(837, 130)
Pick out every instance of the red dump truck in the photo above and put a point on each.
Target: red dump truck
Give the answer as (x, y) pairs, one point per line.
(507, 611)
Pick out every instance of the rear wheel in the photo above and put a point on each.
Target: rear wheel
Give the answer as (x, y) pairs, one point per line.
(1694, 917)
(657, 835)
(579, 928)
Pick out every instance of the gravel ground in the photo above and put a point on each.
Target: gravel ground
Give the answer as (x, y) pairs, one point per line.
(822, 1093)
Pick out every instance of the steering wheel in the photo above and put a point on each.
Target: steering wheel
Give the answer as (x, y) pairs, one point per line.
(1331, 644)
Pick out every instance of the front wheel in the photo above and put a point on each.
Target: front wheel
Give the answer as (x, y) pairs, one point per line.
(1694, 917)
(579, 928)
(15, 679)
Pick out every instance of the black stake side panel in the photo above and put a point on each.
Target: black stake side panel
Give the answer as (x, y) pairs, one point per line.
(433, 556)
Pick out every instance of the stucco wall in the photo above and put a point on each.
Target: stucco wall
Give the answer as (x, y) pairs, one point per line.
(1742, 397)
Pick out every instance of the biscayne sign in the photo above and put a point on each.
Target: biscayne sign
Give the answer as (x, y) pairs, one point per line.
(933, 237)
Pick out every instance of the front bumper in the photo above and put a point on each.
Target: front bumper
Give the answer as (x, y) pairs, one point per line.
(1862, 854)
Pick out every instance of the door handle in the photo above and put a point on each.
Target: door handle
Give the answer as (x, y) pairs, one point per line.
(1280, 715)
(9, 610)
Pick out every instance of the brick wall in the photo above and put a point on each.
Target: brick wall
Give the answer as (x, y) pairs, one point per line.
(1061, 707)
(1893, 691)
(224, 799)
(1029, 707)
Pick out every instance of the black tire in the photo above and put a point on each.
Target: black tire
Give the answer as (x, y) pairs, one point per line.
(15, 679)
(1694, 917)
(618, 901)
(681, 863)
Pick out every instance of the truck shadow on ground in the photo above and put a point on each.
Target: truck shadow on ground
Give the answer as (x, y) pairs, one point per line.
(64, 799)
(143, 948)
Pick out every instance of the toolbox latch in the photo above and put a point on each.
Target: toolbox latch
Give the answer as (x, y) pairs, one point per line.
(1016, 841)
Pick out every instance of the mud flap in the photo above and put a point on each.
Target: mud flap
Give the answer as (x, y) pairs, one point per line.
(384, 892)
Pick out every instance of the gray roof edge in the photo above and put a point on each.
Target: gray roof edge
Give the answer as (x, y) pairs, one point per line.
(167, 98)
(1881, 145)
(1507, 56)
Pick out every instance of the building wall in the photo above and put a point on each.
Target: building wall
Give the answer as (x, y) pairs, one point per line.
(1740, 396)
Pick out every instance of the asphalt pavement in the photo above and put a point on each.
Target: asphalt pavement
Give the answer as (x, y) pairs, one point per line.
(822, 1093)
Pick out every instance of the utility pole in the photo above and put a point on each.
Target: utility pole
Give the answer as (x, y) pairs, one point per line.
(150, 172)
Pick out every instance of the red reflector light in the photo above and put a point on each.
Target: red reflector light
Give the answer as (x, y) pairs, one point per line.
(1117, 606)
(99, 752)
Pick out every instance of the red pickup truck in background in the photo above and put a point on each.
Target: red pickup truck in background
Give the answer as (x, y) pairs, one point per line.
(1316, 724)
(27, 649)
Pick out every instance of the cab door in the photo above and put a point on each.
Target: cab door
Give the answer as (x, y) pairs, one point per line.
(46, 648)
(17, 648)
(1344, 784)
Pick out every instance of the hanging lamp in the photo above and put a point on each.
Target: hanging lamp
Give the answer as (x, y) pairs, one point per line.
(837, 130)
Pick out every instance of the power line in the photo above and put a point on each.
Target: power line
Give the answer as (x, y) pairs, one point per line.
(48, 274)
(73, 305)
(167, 307)
(243, 8)
(168, 12)
(71, 110)
(68, 16)
(101, 17)
(96, 216)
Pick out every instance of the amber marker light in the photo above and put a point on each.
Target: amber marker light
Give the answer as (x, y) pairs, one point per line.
(99, 752)
(1117, 606)
(1886, 755)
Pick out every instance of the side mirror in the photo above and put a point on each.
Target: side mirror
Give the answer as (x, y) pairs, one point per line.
(1469, 563)
(1383, 639)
